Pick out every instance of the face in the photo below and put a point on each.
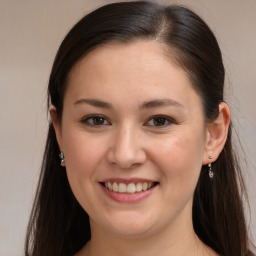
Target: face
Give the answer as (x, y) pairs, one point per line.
(133, 135)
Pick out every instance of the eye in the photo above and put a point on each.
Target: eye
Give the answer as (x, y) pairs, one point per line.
(160, 121)
(95, 120)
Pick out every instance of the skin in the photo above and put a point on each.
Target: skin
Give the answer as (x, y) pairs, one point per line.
(139, 83)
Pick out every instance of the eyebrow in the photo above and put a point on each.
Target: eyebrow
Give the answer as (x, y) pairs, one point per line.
(161, 103)
(146, 104)
(95, 103)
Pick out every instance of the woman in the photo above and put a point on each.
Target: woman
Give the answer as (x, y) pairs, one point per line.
(144, 139)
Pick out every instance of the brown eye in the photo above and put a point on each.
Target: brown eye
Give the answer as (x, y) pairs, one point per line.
(96, 121)
(159, 121)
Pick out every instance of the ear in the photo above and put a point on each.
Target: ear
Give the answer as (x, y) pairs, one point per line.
(56, 125)
(216, 134)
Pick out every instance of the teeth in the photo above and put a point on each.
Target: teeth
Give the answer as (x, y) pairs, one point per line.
(129, 188)
(115, 187)
(122, 188)
(110, 187)
(139, 187)
(145, 186)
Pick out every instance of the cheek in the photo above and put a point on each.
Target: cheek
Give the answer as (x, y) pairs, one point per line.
(83, 156)
(179, 159)
(82, 151)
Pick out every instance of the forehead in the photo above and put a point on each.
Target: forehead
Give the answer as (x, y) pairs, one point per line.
(108, 58)
(139, 70)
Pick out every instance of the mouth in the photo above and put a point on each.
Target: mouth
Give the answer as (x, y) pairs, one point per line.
(130, 188)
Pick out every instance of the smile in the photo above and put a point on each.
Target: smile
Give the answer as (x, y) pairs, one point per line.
(129, 188)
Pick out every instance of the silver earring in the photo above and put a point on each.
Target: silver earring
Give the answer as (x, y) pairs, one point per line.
(211, 174)
(62, 159)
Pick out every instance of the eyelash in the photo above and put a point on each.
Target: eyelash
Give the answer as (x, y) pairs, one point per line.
(167, 121)
(92, 118)
(90, 121)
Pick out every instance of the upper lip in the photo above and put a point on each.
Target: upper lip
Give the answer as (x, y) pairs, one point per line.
(127, 181)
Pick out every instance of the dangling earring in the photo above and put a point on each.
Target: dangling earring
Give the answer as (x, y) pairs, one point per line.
(211, 174)
(62, 159)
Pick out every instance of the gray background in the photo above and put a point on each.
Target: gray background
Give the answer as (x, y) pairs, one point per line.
(31, 32)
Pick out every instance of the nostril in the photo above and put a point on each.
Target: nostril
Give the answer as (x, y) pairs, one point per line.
(125, 162)
(126, 151)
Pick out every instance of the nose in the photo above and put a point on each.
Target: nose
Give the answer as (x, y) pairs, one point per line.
(126, 150)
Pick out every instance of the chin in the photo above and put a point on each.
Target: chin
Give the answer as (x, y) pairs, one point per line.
(131, 225)
(131, 232)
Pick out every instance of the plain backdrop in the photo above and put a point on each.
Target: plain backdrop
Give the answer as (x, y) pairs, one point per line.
(30, 33)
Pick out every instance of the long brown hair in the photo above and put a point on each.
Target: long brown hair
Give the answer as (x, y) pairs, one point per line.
(58, 225)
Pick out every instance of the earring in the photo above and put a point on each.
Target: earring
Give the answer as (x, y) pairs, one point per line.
(62, 159)
(211, 174)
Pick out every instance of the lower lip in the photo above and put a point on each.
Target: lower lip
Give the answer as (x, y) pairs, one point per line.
(128, 198)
